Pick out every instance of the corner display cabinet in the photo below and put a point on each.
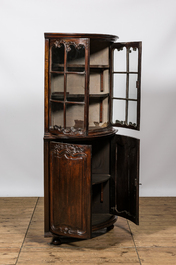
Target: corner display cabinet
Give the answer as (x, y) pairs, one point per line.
(92, 85)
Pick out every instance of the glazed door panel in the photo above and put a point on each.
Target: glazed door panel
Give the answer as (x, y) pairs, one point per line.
(68, 86)
(125, 177)
(70, 189)
(126, 84)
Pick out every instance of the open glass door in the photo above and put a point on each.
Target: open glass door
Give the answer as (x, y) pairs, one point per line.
(125, 83)
(124, 189)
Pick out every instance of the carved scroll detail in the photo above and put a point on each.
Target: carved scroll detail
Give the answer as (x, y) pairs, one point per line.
(71, 131)
(58, 43)
(68, 150)
(66, 230)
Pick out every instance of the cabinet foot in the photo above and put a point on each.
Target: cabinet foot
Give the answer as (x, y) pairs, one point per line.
(110, 227)
(56, 241)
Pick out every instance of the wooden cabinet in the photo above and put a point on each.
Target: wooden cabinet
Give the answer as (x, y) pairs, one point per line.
(91, 176)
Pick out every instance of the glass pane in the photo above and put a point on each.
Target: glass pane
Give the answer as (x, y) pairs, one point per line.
(57, 115)
(75, 116)
(133, 60)
(75, 87)
(132, 86)
(98, 113)
(120, 59)
(58, 58)
(76, 58)
(132, 113)
(119, 107)
(57, 86)
(119, 90)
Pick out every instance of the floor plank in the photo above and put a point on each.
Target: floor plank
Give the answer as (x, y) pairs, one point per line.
(155, 256)
(157, 226)
(152, 242)
(79, 256)
(8, 255)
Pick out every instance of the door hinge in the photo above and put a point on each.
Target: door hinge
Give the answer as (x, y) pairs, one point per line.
(136, 183)
(137, 84)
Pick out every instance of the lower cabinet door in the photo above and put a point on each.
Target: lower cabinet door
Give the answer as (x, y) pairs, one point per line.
(70, 190)
(124, 187)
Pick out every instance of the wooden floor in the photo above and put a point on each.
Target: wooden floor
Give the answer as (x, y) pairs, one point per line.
(152, 242)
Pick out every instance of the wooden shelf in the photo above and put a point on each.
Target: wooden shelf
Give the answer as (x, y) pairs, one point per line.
(103, 67)
(102, 95)
(77, 97)
(101, 220)
(100, 178)
(96, 66)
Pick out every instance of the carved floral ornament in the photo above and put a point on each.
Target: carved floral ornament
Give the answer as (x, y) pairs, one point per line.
(68, 150)
(128, 48)
(69, 131)
(67, 44)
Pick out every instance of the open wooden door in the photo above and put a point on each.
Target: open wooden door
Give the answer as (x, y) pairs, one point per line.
(70, 190)
(124, 191)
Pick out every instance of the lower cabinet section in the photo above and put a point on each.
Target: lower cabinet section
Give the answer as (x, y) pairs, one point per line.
(89, 183)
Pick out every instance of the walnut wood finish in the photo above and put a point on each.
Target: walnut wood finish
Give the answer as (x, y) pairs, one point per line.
(125, 177)
(70, 189)
(104, 37)
(86, 165)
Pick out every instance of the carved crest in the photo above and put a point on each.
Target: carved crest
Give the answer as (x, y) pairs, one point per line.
(68, 150)
(67, 44)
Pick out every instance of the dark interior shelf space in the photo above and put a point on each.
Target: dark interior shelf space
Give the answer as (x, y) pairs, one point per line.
(99, 218)
(99, 178)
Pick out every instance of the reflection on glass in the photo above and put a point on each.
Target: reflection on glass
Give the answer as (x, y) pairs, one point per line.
(75, 117)
(75, 87)
(119, 111)
(76, 58)
(133, 60)
(57, 115)
(58, 58)
(132, 113)
(132, 86)
(119, 90)
(120, 60)
(57, 86)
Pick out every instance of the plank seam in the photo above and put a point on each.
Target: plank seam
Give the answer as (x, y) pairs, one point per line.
(134, 243)
(27, 231)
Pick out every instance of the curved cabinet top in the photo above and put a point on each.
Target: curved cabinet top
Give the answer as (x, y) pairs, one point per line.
(104, 37)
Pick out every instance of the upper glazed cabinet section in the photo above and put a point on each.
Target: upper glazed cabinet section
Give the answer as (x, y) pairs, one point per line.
(68, 81)
(126, 84)
(93, 84)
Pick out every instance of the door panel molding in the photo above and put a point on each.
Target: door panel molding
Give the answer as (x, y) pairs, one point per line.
(70, 189)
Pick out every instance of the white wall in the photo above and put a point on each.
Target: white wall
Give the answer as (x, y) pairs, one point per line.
(23, 24)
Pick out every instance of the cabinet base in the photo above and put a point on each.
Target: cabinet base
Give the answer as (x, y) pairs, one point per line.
(99, 222)
(56, 241)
